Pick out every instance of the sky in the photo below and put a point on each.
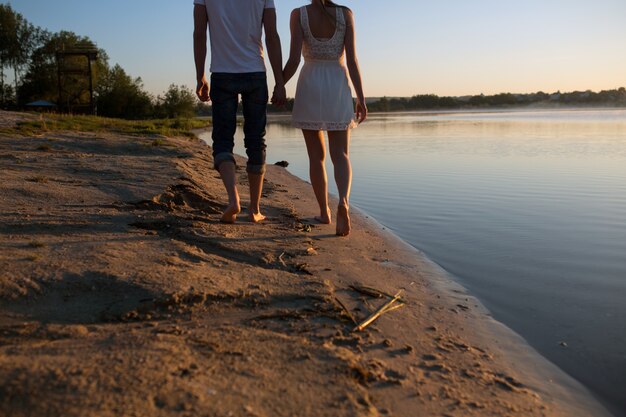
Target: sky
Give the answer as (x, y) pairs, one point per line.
(405, 47)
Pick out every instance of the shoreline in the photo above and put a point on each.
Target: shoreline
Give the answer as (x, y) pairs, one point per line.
(168, 311)
(517, 349)
(547, 377)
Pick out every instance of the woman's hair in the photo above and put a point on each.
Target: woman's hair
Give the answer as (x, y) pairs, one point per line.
(326, 3)
(330, 3)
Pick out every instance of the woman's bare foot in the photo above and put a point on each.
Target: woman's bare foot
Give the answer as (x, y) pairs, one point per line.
(230, 214)
(256, 217)
(343, 221)
(324, 218)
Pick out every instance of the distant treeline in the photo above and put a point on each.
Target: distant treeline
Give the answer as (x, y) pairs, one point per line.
(29, 53)
(615, 98)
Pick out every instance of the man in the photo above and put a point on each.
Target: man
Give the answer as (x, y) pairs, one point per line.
(238, 68)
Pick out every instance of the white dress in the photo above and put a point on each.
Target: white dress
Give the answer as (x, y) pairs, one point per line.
(323, 96)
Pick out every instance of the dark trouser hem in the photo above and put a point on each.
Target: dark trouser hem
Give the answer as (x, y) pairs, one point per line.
(223, 157)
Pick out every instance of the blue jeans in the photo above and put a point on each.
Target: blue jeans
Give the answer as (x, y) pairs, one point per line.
(225, 91)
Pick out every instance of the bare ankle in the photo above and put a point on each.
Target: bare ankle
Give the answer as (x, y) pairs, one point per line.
(231, 212)
(343, 220)
(325, 216)
(256, 216)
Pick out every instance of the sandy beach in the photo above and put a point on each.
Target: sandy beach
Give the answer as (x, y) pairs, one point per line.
(121, 294)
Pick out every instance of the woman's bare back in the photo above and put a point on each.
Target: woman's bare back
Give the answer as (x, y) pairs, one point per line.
(322, 22)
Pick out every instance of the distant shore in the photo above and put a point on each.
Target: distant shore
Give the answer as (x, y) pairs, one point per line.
(121, 293)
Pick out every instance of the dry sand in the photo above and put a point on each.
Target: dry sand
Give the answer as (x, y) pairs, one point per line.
(121, 294)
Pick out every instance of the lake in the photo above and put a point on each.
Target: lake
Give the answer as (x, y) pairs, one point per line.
(526, 209)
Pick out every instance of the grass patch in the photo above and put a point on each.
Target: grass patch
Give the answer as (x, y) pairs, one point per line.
(60, 122)
(158, 142)
(45, 148)
(36, 244)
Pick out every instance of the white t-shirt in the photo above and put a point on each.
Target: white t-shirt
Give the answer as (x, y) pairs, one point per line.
(235, 29)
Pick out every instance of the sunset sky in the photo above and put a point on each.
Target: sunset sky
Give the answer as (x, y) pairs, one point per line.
(406, 47)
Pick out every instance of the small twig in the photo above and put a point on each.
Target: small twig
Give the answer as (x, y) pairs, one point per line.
(397, 306)
(280, 258)
(346, 310)
(389, 306)
(370, 291)
(367, 292)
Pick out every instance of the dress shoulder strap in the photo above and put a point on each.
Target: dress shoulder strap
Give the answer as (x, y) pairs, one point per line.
(340, 24)
(341, 20)
(304, 20)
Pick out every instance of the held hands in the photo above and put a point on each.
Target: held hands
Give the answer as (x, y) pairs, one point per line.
(279, 96)
(361, 111)
(202, 90)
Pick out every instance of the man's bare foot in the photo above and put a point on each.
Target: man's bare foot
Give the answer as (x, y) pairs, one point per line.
(230, 214)
(324, 218)
(343, 221)
(256, 217)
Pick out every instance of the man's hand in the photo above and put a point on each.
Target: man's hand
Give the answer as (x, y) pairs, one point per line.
(279, 97)
(202, 90)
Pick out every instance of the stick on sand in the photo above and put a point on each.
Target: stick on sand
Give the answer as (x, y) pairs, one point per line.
(345, 310)
(370, 291)
(389, 306)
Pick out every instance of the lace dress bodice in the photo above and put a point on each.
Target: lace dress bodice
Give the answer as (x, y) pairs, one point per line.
(314, 49)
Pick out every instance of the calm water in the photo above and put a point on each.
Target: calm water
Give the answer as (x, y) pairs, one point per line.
(527, 209)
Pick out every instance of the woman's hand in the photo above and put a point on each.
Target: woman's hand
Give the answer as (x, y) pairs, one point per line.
(279, 97)
(361, 111)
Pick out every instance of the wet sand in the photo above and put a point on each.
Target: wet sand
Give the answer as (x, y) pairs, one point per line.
(121, 293)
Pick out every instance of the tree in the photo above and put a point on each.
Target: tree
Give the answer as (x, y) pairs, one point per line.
(18, 39)
(7, 96)
(8, 40)
(502, 99)
(424, 101)
(177, 102)
(119, 95)
(478, 100)
(383, 104)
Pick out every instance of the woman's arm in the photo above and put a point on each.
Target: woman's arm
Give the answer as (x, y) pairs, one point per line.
(353, 66)
(295, 52)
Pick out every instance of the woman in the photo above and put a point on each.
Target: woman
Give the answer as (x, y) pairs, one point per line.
(324, 33)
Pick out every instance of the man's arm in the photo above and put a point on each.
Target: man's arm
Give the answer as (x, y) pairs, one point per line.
(201, 21)
(275, 54)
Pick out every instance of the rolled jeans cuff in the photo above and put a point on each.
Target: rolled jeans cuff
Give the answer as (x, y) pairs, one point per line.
(223, 157)
(255, 169)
